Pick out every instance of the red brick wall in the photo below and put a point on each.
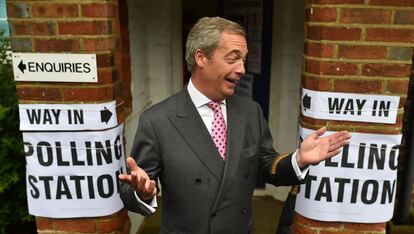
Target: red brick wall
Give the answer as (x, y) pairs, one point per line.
(64, 27)
(97, 27)
(116, 223)
(356, 46)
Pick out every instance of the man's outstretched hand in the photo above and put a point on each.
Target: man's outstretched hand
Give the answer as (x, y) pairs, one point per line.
(315, 148)
(139, 181)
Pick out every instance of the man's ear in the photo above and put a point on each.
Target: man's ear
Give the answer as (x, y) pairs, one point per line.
(200, 58)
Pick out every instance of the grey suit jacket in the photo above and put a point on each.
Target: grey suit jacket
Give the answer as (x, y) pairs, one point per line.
(201, 193)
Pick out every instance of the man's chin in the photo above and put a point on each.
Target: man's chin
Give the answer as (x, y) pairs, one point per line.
(229, 93)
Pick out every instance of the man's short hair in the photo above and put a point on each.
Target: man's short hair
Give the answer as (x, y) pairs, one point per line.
(205, 35)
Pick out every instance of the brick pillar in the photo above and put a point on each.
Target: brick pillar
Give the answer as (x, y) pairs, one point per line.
(356, 46)
(91, 27)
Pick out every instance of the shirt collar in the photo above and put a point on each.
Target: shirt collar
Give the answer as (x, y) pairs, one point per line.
(197, 97)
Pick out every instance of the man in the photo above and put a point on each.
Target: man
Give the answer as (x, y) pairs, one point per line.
(208, 187)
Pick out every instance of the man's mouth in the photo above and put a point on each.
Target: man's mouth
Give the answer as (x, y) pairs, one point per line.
(233, 81)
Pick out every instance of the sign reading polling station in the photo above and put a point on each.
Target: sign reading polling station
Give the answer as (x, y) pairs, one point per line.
(74, 174)
(354, 185)
(55, 67)
(349, 106)
(50, 117)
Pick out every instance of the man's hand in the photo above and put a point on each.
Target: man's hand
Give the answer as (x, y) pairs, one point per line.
(139, 181)
(315, 149)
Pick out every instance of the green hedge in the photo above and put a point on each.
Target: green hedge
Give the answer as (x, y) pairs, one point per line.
(13, 202)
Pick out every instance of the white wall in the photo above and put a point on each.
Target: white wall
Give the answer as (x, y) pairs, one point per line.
(156, 60)
(287, 49)
(156, 55)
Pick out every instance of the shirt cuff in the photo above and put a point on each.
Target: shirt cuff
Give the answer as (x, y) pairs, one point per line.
(151, 206)
(301, 174)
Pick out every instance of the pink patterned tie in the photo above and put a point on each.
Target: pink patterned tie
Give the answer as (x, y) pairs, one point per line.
(219, 129)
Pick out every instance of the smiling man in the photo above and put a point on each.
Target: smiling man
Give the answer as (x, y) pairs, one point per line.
(217, 73)
(206, 146)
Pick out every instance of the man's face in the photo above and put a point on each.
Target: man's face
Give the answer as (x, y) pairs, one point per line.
(223, 70)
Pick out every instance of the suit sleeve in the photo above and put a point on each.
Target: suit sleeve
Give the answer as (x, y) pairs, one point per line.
(274, 168)
(145, 151)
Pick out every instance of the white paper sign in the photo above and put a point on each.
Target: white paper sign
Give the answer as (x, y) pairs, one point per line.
(350, 107)
(358, 185)
(74, 174)
(53, 67)
(48, 117)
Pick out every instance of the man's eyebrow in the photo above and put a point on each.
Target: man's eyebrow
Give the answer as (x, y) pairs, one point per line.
(235, 51)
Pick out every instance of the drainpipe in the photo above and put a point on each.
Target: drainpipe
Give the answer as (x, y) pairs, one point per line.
(402, 213)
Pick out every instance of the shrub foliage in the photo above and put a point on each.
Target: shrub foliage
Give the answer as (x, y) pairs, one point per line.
(13, 202)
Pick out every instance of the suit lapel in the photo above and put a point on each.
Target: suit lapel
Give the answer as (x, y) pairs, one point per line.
(191, 127)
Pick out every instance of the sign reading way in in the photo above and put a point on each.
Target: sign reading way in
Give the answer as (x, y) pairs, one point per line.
(354, 185)
(35, 117)
(350, 107)
(74, 174)
(49, 67)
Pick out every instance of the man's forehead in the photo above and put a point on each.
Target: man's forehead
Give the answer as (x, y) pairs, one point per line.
(224, 35)
(233, 42)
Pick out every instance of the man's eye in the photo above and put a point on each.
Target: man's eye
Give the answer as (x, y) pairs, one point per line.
(231, 60)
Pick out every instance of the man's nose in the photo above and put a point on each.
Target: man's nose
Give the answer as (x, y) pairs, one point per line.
(240, 68)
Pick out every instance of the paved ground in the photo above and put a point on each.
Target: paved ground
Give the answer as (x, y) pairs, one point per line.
(266, 209)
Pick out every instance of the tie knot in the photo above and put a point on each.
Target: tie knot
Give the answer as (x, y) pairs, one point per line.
(215, 106)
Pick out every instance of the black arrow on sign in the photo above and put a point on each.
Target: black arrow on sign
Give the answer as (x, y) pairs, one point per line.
(306, 102)
(22, 66)
(105, 115)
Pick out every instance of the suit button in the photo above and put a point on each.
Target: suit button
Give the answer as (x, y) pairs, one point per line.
(213, 215)
(243, 211)
(247, 176)
(197, 181)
